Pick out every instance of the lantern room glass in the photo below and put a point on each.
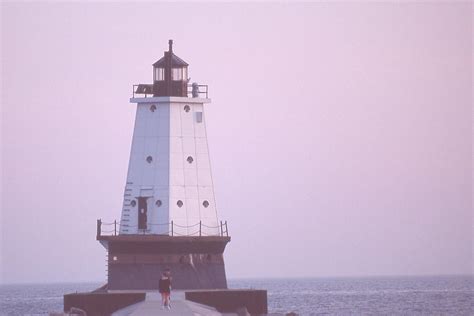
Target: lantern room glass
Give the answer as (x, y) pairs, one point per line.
(179, 74)
(159, 74)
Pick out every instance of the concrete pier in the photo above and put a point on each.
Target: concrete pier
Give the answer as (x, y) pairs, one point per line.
(179, 306)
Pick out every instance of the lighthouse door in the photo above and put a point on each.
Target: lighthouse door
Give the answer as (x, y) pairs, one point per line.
(142, 212)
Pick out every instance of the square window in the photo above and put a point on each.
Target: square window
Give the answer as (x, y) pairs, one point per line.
(199, 117)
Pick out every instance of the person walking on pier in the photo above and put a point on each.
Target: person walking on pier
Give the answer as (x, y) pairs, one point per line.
(164, 286)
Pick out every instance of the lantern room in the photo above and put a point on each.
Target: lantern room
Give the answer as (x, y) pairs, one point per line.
(170, 75)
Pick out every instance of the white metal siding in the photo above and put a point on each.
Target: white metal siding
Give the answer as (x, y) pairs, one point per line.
(170, 135)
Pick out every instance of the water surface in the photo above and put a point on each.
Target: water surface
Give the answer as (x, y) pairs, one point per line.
(440, 295)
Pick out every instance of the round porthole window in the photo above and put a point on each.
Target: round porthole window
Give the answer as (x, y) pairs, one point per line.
(149, 159)
(153, 108)
(179, 203)
(133, 203)
(205, 203)
(187, 108)
(158, 203)
(190, 159)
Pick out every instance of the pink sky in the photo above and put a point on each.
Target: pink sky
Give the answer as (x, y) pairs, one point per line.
(340, 134)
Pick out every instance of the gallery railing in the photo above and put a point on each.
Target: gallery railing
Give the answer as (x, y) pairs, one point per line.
(199, 229)
(193, 90)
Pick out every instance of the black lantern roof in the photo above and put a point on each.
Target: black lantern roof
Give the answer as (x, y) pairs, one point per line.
(176, 62)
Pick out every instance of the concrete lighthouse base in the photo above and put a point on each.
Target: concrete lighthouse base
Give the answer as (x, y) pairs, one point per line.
(135, 262)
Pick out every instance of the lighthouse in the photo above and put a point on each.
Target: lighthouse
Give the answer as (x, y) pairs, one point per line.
(169, 185)
(169, 217)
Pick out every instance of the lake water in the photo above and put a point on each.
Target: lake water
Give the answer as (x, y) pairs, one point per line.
(440, 295)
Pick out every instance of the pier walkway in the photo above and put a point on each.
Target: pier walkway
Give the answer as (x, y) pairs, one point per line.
(179, 306)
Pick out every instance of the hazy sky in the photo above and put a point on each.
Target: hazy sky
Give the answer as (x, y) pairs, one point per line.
(340, 134)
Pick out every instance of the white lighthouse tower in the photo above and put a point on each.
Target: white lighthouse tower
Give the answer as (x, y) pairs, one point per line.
(169, 216)
(169, 187)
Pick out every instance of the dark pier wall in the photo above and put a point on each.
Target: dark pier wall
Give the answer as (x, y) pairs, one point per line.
(201, 274)
(135, 262)
(101, 304)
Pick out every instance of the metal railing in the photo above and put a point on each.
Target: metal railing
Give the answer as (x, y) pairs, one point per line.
(195, 91)
(147, 93)
(199, 229)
